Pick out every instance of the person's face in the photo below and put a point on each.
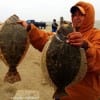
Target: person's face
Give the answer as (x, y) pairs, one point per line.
(77, 19)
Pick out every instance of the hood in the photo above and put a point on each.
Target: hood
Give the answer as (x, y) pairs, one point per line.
(88, 23)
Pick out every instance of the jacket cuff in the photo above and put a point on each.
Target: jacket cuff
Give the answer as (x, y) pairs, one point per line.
(86, 44)
(28, 28)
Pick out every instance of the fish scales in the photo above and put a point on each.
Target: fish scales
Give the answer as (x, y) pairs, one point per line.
(14, 43)
(62, 63)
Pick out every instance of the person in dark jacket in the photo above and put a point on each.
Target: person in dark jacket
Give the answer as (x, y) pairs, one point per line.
(54, 25)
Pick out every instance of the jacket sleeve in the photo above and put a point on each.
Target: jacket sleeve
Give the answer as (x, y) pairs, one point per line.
(38, 37)
(93, 54)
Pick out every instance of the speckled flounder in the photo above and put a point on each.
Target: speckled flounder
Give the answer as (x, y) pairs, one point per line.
(13, 45)
(62, 63)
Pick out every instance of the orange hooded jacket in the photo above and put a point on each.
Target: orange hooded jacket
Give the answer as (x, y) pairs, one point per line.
(89, 87)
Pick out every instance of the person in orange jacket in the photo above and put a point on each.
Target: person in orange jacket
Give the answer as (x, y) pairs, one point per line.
(86, 36)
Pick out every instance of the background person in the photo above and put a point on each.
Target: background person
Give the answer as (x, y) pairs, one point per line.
(54, 25)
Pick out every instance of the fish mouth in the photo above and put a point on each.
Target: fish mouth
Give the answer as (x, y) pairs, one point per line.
(61, 37)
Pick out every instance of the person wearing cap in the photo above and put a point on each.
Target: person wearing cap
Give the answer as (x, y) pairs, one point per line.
(83, 18)
(86, 36)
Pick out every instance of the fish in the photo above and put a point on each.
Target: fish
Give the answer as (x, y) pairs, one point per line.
(14, 43)
(63, 64)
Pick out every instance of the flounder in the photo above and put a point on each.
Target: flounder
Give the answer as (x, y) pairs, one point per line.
(14, 44)
(62, 63)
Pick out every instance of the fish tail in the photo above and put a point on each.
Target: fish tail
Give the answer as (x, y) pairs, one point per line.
(59, 93)
(12, 76)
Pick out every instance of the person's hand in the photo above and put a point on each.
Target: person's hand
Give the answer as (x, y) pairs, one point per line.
(23, 23)
(75, 39)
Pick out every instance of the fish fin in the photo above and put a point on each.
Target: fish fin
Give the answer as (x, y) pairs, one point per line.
(59, 93)
(12, 77)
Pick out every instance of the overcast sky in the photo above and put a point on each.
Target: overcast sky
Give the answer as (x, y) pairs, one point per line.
(41, 10)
